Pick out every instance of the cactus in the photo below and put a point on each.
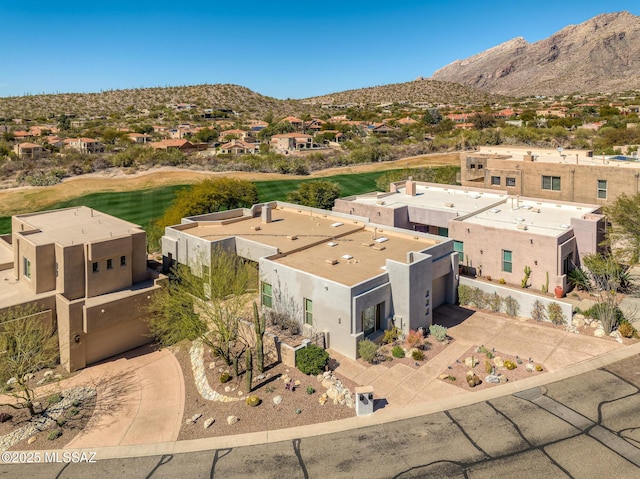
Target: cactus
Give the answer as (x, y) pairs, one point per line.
(249, 369)
(525, 280)
(259, 324)
(236, 368)
(545, 286)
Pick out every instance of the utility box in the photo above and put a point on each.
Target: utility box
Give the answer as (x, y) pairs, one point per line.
(364, 400)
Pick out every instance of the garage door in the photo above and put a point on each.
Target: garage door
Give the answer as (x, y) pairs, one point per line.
(116, 339)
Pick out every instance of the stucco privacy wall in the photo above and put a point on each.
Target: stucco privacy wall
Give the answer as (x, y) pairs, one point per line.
(524, 299)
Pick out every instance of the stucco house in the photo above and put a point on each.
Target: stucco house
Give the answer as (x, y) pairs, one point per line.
(495, 234)
(338, 274)
(87, 271)
(286, 142)
(85, 145)
(28, 151)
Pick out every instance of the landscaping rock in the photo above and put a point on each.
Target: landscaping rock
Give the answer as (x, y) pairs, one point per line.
(492, 378)
(498, 362)
(28, 377)
(619, 340)
(11, 381)
(196, 416)
(240, 393)
(319, 378)
(598, 333)
(209, 422)
(578, 320)
(231, 420)
(189, 421)
(260, 377)
(327, 374)
(323, 399)
(530, 367)
(332, 393)
(327, 383)
(48, 374)
(470, 362)
(31, 440)
(227, 389)
(277, 400)
(615, 334)
(212, 365)
(444, 376)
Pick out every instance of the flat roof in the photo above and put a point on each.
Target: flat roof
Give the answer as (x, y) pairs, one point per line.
(307, 239)
(308, 228)
(461, 200)
(568, 157)
(356, 257)
(540, 217)
(76, 225)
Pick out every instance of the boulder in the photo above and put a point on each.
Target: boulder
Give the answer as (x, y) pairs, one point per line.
(11, 381)
(498, 362)
(615, 334)
(530, 367)
(207, 424)
(323, 399)
(212, 365)
(470, 362)
(31, 440)
(492, 378)
(48, 373)
(327, 383)
(277, 400)
(319, 378)
(332, 393)
(598, 333)
(444, 376)
(196, 416)
(231, 420)
(578, 321)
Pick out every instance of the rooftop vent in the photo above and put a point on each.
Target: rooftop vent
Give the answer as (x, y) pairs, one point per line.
(336, 224)
(292, 237)
(519, 219)
(382, 239)
(449, 205)
(370, 243)
(379, 248)
(474, 197)
(256, 228)
(494, 210)
(347, 256)
(331, 261)
(564, 225)
(526, 207)
(536, 210)
(332, 244)
(380, 202)
(522, 227)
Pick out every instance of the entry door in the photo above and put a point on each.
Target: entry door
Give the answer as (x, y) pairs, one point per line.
(371, 318)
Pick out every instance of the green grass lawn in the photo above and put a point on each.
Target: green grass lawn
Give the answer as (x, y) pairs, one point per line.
(143, 206)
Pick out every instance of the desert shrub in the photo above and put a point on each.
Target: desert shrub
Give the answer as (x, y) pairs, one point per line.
(478, 298)
(438, 332)
(502, 281)
(368, 350)
(417, 355)
(225, 377)
(5, 416)
(312, 359)
(510, 364)
(414, 339)
(397, 352)
(464, 294)
(538, 368)
(253, 401)
(310, 390)
(494, 302)
(54, 399)
(539, 311)
(626, 330)
(73, 412)
(55, 434)
(390, 335)
(61, 422)
(511, 306)
(554, 312)
(579, 278)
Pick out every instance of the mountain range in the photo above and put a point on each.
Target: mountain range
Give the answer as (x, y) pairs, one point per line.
(601, 55)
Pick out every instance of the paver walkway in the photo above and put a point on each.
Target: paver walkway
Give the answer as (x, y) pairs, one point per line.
(402, 386)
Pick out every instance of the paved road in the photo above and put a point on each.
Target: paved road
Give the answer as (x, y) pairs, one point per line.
(584, 427)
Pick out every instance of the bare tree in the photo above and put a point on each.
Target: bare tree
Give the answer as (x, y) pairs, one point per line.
(28, 343)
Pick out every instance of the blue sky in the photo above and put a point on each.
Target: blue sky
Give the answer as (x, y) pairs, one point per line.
(283, 49)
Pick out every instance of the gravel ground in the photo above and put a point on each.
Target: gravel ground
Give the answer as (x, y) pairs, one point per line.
(266, 416)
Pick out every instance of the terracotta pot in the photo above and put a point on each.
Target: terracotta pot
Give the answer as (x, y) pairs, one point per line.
(559, 292)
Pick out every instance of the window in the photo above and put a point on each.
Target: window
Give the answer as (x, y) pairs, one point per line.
(473, 167)
(109, 263)
(308, 311)
(495, 180)
(507, 261)
(123, 260)
(26, 267)
(94, 267)
(602, 189)
(458, 246)
(57, 269)
(443, 231)
(511, 181)
(567, 261)
(551, 183)
(480, 167)
(267, 295)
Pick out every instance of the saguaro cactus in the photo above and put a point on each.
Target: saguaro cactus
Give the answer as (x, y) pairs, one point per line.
(525, 280)
(259, 324)
(249, 373)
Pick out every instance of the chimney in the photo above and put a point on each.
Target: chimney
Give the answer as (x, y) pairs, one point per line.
(410, 187)
(528, 156)
(266, 214)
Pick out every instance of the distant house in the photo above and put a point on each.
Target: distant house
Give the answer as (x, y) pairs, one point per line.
(139, 138)
(28, 151)
(172, 144)
(85, 145)
(257, 125)
(407, 121)
(54, 140)
(292, 142)
(380, 129)
(244, 135)
(239, 147)
(314, 125)
(296, 122)
(458, 117)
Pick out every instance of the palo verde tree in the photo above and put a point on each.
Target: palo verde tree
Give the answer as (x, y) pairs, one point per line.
(28, 343)
(208, 196)
(624, 234)
(317, 194)
(205, 304)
